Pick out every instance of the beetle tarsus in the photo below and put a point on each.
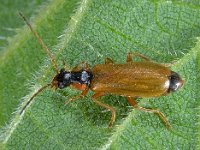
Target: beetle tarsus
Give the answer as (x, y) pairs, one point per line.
(133, 103)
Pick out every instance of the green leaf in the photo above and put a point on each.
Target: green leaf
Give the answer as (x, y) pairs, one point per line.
(162, 30)
(8, 20)
(24, 56)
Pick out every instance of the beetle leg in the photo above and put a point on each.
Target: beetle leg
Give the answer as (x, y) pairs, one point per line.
(81, 66)
(133, 54)
(169, 64)
(133, 103)
(64, 65)
(109, 61)
(84, 92)
(94, 97)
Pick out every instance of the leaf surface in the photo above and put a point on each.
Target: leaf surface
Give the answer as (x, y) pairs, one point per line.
(162, 30)
(24, 56)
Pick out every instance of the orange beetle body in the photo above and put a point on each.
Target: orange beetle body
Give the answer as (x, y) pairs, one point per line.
(137, 79)
(131, 80)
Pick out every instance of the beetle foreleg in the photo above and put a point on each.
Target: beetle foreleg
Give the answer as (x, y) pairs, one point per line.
(81, 66)
(64, 65)
(112, 120)
(133, 103)
(84, 92)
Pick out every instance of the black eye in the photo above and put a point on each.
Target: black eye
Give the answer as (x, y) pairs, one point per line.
(175, 82)
(61, 85)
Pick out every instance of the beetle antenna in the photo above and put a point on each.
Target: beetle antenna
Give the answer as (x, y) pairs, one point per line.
(45, 48)
(35, 94)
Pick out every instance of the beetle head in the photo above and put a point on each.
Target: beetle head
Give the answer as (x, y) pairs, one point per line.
(62, 80)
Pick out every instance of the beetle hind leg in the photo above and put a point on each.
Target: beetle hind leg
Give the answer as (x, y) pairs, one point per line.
(112, 120)
(133, 54)
(133, 103)
(170, 64)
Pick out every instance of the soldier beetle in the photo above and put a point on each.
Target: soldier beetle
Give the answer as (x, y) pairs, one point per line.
(132, 79)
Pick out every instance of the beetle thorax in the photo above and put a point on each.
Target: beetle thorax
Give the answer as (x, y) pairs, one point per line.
(66, 78)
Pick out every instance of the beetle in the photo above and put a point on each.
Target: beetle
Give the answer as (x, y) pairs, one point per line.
(133, 79)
